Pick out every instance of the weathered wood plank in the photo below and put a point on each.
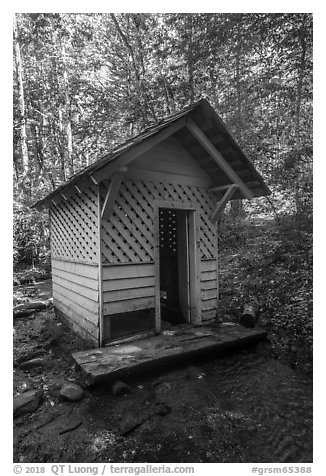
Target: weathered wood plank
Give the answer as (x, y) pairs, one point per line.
(128, 305)
(112, 362)
(127, 294)
(208, 276)
(130, 270)
(208, 265)
(128, 283)
(75, 298)
(207, 304)
(211, 284)
(79, 323)
(163, 177)
(77, 279)
(173, 164)
(79, 312)
(106, 171)
(76, 288)
(208, 314)
(208, 294)
(82, 269)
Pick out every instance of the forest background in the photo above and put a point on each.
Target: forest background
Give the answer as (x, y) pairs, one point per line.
(85, 82)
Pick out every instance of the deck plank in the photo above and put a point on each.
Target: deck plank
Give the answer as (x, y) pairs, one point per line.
(179, 343)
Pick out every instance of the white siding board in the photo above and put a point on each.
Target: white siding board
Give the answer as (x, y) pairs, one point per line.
(209, 314)
(77, 288)
(128, 288)
(76, 298)
(74, 278)
(127, 294)
(209, 289)
(211, 284)
(128, 305)
(81, 324)
(76, 295)
(79, 269)
(129, 270)
(128, 283)
(169, 157)
(208, 276)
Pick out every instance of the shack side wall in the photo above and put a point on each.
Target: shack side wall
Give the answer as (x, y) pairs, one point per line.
(166, 173)
(74, 252)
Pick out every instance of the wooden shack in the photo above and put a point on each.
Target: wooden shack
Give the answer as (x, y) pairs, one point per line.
(134, 235)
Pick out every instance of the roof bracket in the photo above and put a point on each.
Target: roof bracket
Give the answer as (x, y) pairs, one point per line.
(222, 203)
(93, 179)
(112, 193)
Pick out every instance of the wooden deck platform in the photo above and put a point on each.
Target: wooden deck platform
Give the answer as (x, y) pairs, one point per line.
(179, 343)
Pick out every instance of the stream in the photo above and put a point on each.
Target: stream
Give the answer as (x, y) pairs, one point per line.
(276, 399)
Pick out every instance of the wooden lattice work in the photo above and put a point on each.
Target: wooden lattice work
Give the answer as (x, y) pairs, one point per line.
(74, 234)
(168, 230)
(128, 235)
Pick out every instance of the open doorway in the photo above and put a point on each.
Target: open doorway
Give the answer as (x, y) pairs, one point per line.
(174, 266)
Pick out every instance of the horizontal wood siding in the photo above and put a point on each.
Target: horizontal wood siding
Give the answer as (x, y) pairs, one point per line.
(128, 288)
(208, 286)
(75, 294)
(170, 158)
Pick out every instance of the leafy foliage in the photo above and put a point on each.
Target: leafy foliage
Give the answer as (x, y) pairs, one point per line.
(85, 82)
(92, 80)
(270, 263)
(31, 237)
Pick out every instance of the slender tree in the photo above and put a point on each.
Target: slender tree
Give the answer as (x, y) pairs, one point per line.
(21, 99)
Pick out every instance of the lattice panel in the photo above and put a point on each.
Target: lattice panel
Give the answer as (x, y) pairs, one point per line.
(74, 227)
(128, 235)
(168, 230)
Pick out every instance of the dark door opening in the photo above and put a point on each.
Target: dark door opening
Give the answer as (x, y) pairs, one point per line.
(174, 266)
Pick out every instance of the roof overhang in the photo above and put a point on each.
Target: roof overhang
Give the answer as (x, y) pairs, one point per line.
(202, 133)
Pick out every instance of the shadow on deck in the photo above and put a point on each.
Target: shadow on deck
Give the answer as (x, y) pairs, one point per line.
(175, 345)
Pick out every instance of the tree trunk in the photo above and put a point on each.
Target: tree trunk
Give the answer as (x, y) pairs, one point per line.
(237, 205)
(21, 100)
(139, 85)
(190, 59)
(61, 146)
(301, 72)
(68, 129)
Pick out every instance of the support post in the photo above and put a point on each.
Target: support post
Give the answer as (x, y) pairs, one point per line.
(100, 274)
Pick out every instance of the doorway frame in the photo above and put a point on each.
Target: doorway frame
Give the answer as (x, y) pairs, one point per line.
(194, 258)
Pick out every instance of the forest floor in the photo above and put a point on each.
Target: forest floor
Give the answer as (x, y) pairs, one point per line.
(270, 261)
(251, 405)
